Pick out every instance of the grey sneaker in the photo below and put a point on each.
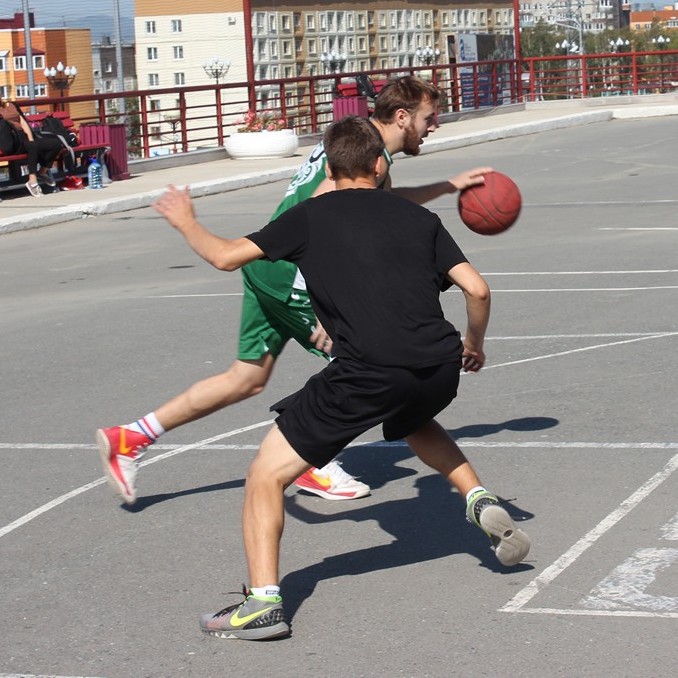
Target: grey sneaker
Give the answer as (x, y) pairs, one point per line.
(47, 178)
(34, 189)
(511, 544)
(252, 619)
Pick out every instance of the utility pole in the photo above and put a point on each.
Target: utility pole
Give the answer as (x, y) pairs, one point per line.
(29, 52)
(118, 55)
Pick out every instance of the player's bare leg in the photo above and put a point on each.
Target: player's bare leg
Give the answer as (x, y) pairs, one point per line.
(435, 448)
(244, 379)
(432, 444)
(274, 468)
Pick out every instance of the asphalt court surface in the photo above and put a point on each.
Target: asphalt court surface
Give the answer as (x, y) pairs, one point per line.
(572, 420)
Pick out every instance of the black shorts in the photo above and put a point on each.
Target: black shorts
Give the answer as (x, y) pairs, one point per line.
(349, 397)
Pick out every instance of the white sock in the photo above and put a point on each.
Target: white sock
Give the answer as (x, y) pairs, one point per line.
(265, 591)
(471, 492)
(148, 425)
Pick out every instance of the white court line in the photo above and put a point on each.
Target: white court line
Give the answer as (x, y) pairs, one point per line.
(552, 445)
(60, 500)
(494, 290)
(660, 270)
(589, 289)
(84, 488)
(518, 602)
(579, 350)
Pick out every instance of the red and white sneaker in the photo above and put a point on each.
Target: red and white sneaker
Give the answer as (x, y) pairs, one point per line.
(332, 482)
(120, 450)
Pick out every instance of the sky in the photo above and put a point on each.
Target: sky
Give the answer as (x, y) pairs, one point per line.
(54, 10)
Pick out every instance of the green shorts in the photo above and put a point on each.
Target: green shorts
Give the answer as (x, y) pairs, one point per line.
(267, 324)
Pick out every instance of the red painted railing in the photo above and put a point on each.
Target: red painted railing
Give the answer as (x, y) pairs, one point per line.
(202, 117)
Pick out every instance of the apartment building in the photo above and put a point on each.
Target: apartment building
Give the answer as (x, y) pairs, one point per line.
(299, 37)
(49, 46)
(592, 16)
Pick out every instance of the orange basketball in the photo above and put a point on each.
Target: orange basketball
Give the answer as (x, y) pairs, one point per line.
(492, 207)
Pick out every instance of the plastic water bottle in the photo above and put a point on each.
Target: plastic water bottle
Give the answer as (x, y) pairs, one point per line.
(94, 175)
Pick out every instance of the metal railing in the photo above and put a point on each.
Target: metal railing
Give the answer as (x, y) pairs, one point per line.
(595, 75)
(201, 117)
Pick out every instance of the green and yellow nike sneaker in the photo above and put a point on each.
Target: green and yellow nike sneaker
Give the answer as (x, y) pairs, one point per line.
(256, 618)
(511, 544)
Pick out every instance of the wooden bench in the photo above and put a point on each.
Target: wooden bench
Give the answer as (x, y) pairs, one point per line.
(82, 151)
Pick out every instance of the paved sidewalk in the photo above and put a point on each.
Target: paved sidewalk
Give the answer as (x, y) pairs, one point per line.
(23, 212)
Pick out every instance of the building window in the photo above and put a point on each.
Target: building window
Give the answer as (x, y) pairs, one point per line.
(38, 62)
(153, 79)
(272, 23)
(311, 46)
(3, 64)
(179, 78)
(108, 67)
(19, 63)
(154, 104)
(286, 22)
(155, 132)
(310, 22)
(178, 51)
(150, 27)
(287, 51)
(176, 26)
(151, 53)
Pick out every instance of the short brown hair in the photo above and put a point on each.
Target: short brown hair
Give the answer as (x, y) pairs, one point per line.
(407, 92)
(352, 145)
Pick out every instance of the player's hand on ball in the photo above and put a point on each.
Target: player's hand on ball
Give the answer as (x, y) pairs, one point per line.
(472, 361)
(469, 178)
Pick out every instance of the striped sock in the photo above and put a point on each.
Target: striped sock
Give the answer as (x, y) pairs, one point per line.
(148, 425)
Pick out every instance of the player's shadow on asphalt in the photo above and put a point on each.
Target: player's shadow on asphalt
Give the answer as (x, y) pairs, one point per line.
(429, 526)
(145, 502)
(380, 470)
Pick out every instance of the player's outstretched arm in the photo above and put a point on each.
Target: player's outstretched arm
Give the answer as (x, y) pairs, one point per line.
(427, 192)
(477, 294)
(223, 253)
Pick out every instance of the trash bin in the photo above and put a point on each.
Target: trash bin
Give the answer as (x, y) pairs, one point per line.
(343, 106)
(115, 137)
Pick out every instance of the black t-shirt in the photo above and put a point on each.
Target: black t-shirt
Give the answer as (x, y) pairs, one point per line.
(374, 264)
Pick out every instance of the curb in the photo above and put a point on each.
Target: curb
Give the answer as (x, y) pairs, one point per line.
(216, 186)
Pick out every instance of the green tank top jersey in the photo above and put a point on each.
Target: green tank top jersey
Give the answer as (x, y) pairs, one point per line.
(277, 278)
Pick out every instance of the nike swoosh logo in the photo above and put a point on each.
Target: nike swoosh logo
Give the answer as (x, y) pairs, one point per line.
(325, 482)
(124, 448)
(236, 620)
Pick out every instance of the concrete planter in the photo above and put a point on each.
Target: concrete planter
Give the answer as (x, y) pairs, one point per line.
(248, 145)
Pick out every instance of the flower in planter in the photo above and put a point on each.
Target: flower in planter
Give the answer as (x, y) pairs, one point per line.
(266, 121)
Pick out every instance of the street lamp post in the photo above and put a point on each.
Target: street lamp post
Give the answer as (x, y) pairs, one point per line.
(61, 77)
(333, 61)
(661, 43)
(216, 68)
(569, 48)
(427, 55)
